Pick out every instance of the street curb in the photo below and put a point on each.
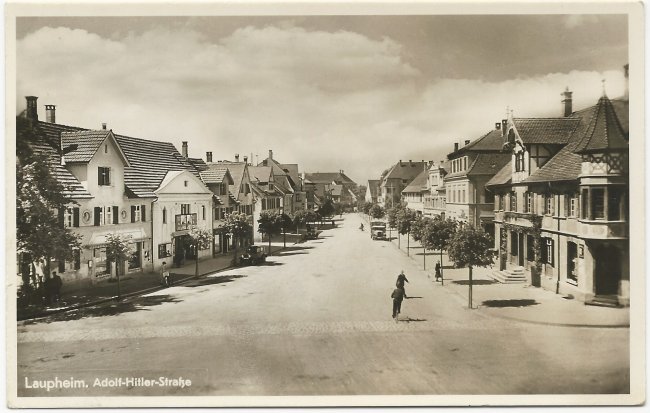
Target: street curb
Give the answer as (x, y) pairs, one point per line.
(125, 296)
(525, 321)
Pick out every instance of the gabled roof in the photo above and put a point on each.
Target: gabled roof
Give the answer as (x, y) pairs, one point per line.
(259, 173)
(545, 130)
(503, 177)
(87, 141)
(605, 132)
(198, 163)
(488, 163)
(492, 141)
(405, 170)
(564, 166)
(216, 174)
(292, 170)
(418, 184)
(328, 177)
(373, 186)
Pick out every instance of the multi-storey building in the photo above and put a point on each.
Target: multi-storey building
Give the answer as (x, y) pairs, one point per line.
(142, 190)
(288, 183)
(562, 201)
(393, 181)
(434, 198)
(265, 194)
(470, 167)
(415, 191)
(372, 190)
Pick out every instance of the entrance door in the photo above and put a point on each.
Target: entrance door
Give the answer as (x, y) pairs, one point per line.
(136, 258)
(608, 269)
(520, 250)
(179, 251)
(571, 258)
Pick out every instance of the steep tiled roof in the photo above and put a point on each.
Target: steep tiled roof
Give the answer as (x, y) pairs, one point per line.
(292, 170)
(503, 177)
(488, 163)
(198, 163)
(605, 131)
(87, 142)
(545, 130)
(214, 173)
(418, 184)
(564, 166)
(373, 185)
(405, 170)
(328, 177)
(491, 142)
(259, 173)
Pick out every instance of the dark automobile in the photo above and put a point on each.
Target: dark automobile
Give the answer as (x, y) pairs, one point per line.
(253, 255)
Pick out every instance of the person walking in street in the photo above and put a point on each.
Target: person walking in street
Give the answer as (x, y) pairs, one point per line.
(397, 296)
(400, 282)
(57, 284)
(165, 277)
(438, 275)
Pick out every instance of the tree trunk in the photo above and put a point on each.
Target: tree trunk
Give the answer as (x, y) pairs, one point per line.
(470, 287)
(284, 240)
(269, 234)
(424, 258)
(442, 278)
(117, 274)
(196, 260)
(408, 244)
(235, 257)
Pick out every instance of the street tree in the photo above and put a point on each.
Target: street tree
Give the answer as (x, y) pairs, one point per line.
(392, 214)
(471, 247)
(40, 204)
(327, 208)
(201, 239)
(418, 232)
(285, 222)
(405, 219)
(268, 225)
(437, 235)
(237, 224)
(117, 252)
(377, 212)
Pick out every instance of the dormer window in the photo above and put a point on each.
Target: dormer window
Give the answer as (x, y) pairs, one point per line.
(520, 161)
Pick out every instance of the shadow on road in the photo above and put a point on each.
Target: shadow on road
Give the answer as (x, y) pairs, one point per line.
(286, 254)
(108, 309)
(410, 298)
(475, 282)
(409, 320)
(510, 303)
(213, 280)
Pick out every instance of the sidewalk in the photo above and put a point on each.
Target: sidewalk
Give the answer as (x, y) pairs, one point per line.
(518, 302)
(83, 293)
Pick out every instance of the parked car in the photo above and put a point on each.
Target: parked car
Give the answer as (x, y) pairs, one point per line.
(253, 255)
(311, 234)
(378, 230)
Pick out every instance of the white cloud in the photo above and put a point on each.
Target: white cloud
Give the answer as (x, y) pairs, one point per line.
(327, 101)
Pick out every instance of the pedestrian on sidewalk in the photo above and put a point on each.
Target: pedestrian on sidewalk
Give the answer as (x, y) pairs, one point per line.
(165, 277)
(400, 282)
(397, 296)
(57, 284)
(438, 275)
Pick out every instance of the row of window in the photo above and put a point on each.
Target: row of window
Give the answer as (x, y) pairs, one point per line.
(459, 165)
(108, 215)
(597, 203)
(271, 203)
(457, 195)
(547, 246)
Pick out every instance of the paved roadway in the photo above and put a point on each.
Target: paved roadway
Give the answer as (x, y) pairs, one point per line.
(316, 320)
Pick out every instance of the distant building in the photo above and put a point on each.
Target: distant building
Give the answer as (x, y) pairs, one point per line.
(414, 193)
(372, 191)
(435, 198)
(393, 181)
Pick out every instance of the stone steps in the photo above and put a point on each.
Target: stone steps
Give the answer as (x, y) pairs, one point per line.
(515, 275)
(604, 301)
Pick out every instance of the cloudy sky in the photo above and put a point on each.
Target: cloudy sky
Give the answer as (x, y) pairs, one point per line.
(356, 93)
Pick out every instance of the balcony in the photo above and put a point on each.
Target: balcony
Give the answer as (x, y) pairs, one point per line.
(185, 221)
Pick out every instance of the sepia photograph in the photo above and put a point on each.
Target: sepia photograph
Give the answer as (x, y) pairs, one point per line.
(302, 204)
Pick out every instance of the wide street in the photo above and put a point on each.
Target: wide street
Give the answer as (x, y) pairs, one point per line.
(316, 320)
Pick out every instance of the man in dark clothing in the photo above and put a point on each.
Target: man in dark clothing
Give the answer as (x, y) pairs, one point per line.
(400, 282)
(397, 296)
(438, 275)
(57, 283)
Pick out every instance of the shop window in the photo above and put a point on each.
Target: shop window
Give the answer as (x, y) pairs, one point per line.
(164, 250)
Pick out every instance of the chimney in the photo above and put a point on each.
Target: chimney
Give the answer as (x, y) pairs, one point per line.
(626, 69)
(50, 113)
(184, 149)
(400, 162)
(504, 125)
(455, 146)
(270, 154)
(467, 142)
(208, 156)
(246, 160)
(104, 126)
(567, 102)
(497, 126)
(410, 162)
(32, 109)
(236, 157)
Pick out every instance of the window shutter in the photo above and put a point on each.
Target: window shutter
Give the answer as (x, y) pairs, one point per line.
(132, 213)
(552, 248)
(97, 214)
(543, 250)
(99, 176)
(143, 212)
(116, 218)
(75, 217)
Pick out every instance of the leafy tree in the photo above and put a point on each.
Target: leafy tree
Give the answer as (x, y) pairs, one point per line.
(327, 208)
(117, 252)
(405, 217)
(418, 231)
(237, 224)
(377, 212)
(367, 207)
(361, 205)
(437, 234)
(338, 208)
(40, 202)
(301, 217)
(471, 247)
(285, 221)
(268, 225)
(201, 239)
